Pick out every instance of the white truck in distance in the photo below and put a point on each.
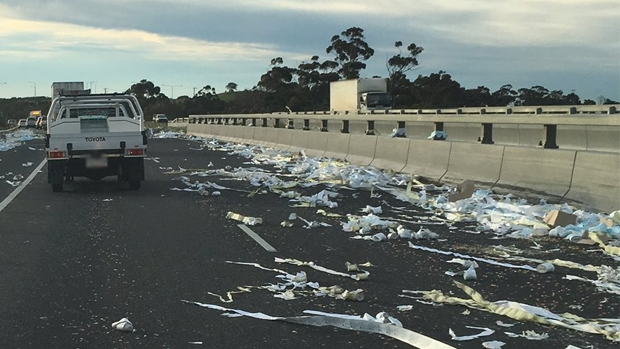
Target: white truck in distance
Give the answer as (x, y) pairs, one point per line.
(95, 136)
(67, 88)
(360, 95)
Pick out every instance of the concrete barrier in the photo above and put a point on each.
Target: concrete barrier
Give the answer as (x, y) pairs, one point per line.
(266, 136)
(384, 128)
(300, 139)
(361, 149)
(537, 169)
(603, 138)
(476, 162)
(505, 134)
(586, 176)
(317, 143)
(226, 133)
(284, 139)
(245, 134)
(596, 180)
(356, 125)
(572, 137)
(391, 153)
(427, 158)
(462, 132)
(419, 130)
(337, 146)
(530, 135)
(201, 130)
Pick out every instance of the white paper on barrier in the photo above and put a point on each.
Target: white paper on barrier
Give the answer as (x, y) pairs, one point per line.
(489, 261)
(407, 336)
(485, 332)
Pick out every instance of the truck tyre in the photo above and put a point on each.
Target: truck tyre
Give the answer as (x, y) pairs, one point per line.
(56, 188)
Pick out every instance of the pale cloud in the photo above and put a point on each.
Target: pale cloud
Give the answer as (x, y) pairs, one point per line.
(481, 22)
(477, 22)
(479, 40)
(52, 39)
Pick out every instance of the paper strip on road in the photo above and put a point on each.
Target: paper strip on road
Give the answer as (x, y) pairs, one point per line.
(489, 261)
(257, 238)
(407, 336)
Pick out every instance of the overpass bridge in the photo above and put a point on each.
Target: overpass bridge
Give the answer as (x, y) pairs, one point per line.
(568, 152)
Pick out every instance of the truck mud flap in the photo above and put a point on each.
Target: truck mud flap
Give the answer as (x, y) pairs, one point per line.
(56, 171)
(132, 169)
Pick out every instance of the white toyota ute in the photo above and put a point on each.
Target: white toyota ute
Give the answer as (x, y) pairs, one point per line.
(95, 136)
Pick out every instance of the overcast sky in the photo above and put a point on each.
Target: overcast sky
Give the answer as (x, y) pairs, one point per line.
(570, 45)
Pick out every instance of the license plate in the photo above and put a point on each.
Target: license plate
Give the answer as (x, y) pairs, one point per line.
(96, 162)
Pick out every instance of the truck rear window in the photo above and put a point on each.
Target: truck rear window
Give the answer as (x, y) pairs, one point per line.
(100, 112)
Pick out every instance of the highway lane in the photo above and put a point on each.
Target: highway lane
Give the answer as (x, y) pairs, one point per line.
(81, 259)
(74, 262)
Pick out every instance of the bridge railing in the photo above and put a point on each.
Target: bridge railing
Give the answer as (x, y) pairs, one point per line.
(546, 117)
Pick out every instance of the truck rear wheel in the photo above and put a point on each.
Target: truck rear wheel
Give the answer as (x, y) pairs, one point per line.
(56, 188)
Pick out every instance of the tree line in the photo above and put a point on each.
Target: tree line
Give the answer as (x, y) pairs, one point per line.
(306, 87)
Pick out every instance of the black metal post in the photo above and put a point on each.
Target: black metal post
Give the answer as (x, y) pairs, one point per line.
(370, 127)
(550, 137)
(401, 126)
(487, 133)
(439, 132)
(323, 125)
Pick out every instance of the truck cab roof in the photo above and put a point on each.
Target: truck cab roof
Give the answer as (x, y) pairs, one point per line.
(70, 106)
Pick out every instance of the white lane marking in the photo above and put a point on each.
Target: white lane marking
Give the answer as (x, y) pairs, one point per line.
(21, 187)
(257, 238)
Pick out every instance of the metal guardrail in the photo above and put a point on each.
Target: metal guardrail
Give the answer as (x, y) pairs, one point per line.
(561, 115)
(549, 117)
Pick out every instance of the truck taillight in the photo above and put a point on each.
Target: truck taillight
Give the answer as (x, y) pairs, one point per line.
(57, 154)
(134, 152)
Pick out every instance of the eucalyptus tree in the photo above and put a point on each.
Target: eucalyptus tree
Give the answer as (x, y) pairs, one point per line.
(350, 50)
(397, 67)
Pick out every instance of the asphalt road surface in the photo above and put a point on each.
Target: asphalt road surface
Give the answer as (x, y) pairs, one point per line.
(72, 263)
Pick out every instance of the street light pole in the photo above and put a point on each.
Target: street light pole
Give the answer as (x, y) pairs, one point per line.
(91, 85)
(172, 89)
(35, 87)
